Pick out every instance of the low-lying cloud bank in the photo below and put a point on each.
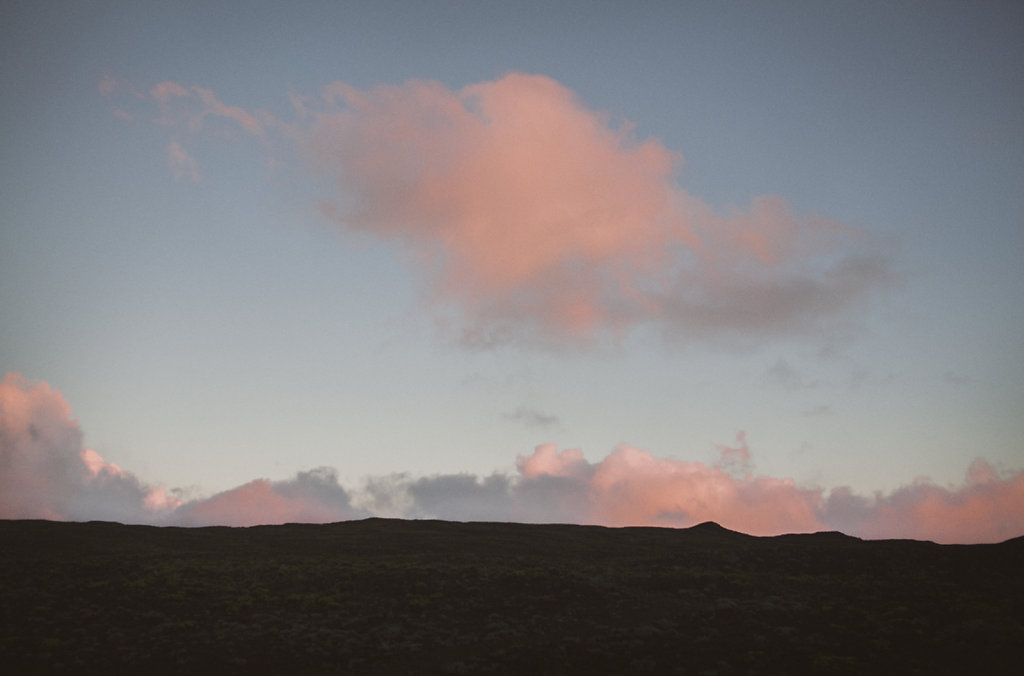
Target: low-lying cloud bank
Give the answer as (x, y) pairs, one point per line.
(45, 472)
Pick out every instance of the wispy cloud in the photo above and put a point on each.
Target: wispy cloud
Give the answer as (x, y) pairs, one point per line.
(49, 474)
(532, 417)
(782, 374)
(952, 378)
(191, 106)
(107, 85)
(181, 163)
(536, 220)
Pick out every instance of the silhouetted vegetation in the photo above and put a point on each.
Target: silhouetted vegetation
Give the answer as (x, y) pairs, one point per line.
(389, 596)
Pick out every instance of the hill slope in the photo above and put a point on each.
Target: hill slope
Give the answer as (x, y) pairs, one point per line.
(390, 596)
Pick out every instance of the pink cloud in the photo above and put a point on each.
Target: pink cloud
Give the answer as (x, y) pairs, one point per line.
(96, 465)
(633, 487)
(537, 218)
(165, 92)
(987, 507)
(39, 449)
(212, 106)
(311, 497)
(548, 460)
(182, 164)
(192, 105)
(47, 473)
(107, 85)
(736, 461)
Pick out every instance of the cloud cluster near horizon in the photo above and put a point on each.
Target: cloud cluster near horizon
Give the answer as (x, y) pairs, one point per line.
(536, 220)
(47, 473)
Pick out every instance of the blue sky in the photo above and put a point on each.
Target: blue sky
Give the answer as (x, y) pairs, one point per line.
(207, 332)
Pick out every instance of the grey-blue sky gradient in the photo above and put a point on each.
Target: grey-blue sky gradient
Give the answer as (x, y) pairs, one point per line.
(209, 324)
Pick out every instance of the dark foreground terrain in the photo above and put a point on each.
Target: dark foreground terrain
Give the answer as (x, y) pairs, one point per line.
(388, 596)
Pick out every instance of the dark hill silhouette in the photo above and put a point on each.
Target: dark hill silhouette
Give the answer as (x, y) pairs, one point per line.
(715, 529)
(711, 527)
(820, 536)
(393, 596)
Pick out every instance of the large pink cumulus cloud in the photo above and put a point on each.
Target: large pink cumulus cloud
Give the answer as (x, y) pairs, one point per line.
(536, 220)
(45, 472)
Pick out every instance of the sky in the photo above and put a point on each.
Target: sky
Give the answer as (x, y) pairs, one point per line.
(590, 262)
